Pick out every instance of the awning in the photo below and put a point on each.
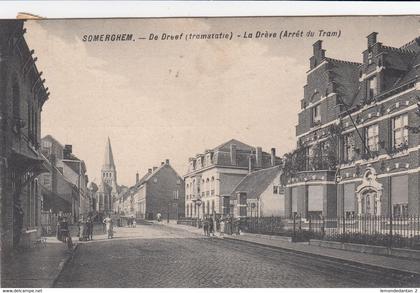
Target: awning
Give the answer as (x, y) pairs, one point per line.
(25, 162)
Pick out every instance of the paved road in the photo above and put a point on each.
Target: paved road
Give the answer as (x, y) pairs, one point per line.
(162, 256)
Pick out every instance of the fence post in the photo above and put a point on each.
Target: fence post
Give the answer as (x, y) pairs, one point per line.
(390, 229)
(344, 227)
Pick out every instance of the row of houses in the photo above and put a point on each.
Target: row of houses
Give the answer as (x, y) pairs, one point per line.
(209, 187)
(357, 147)
(159, 191)
(37, 176)
(64, 188)
(357, 151)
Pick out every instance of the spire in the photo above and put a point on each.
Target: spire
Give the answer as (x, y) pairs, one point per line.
(109, 158)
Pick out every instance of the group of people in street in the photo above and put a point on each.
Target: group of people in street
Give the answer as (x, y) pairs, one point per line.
(131, 222)
(225, 225)
(63, 232)
(85, 229)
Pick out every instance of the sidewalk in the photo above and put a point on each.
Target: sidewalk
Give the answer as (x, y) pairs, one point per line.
(379, 261)
(36, 267)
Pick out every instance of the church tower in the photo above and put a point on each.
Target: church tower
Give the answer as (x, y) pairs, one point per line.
(108, 178)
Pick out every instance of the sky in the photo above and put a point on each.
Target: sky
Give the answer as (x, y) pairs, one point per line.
(160, 100)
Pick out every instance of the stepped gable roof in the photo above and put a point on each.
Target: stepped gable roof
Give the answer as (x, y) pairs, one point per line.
(405, 60)
(255, 183)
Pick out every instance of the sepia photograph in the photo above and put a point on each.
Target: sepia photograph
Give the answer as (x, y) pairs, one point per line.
(210, 152)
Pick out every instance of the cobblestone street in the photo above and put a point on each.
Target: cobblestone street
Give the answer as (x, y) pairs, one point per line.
(166, 256)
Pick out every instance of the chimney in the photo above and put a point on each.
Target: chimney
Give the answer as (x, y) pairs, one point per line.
(371, 39)
(154, 168)
(167, 161)
(250, 164)
(149, 171)
(137, 177)
(233, 154)
(318, 54)
(273, 156)
(258, 158)
(68, 149)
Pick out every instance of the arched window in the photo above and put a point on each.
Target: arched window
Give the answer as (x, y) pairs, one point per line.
(212, 186)
(204, 208)
(208, 186)
(208, 208)
(212, 206)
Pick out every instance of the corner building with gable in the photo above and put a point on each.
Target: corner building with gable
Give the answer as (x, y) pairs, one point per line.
(358, 135)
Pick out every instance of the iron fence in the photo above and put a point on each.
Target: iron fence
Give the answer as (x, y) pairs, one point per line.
(403, 231)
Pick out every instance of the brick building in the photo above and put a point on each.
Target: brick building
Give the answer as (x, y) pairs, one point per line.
(160, 190)
(22, 96)
(358, 141)
(213, 175)
(65, 185)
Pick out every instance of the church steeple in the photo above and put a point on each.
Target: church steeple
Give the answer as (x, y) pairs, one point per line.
(109, 158)
(109, 172)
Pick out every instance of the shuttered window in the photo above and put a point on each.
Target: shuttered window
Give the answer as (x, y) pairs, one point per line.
(349, 197)
(315, 198)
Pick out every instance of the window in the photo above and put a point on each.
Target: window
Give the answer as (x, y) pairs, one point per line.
(47, 179)
(372, 87)
(372, 137)
(315, 201)
(400, 132)
(316, 115)
(348, 147)
(349, 199)
(399, 195)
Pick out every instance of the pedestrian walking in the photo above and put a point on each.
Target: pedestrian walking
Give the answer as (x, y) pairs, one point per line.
(158, 217)
(90, 228)
(206, 227)
(82, 229)
(109, 226)
(211, 227)
(222, 227)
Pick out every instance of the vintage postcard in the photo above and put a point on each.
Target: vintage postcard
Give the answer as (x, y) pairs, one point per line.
(240, 152)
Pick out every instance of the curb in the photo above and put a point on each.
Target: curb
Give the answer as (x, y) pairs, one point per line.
(346, 261)
(63, 264)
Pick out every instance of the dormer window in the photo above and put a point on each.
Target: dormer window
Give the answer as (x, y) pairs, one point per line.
(316, 115)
